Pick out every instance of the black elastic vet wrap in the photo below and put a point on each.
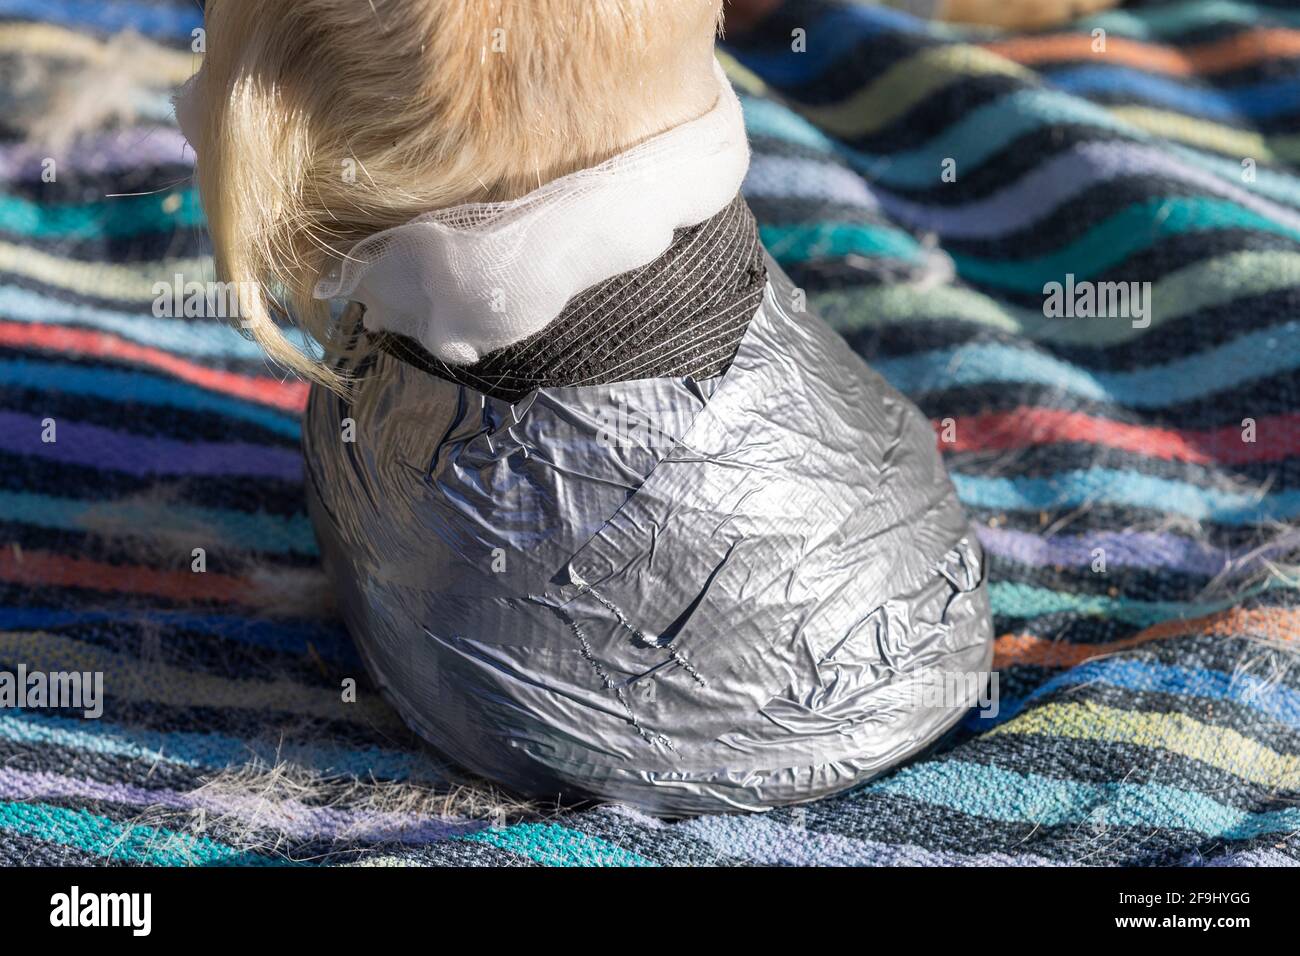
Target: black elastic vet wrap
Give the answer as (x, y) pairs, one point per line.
(682, 315)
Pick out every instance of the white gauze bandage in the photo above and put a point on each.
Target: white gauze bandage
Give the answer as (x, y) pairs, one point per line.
(470, 279)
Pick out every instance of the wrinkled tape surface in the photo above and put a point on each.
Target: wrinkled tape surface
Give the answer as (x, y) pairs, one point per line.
(731, 608)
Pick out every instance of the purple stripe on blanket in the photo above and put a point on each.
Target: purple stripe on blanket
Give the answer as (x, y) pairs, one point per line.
(1262, 856)
(1061, 178)
(764, 841)
(128, 148)
(96, 447)
(1132, 549)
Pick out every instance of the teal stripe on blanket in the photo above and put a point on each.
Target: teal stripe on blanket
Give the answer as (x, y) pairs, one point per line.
(245, 531)
(821, 240)
(202, 338)
(1011, 599)
(1108, 486)
(1156, 23)
(116, 217)
(122, 843)
(769, 118)
(1272, 183)
(1255, 355)
(553, 845)
(1106, 245)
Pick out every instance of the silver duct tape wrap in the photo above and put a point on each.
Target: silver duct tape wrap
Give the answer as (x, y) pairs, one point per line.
(685, 596)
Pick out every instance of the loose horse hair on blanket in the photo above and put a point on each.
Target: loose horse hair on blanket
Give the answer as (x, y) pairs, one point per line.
(267, 808)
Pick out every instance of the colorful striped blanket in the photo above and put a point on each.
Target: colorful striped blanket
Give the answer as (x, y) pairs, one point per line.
(1135, 477)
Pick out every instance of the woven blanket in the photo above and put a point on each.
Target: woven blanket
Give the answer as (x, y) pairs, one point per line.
(1132, 461)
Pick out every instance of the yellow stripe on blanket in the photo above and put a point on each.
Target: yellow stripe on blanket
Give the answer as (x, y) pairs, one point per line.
(1220, 747)
(134, 679)
(1204, 284)
(106, 280)
(906, 84)
(741, 76)
(1198, 132)
(167, 67)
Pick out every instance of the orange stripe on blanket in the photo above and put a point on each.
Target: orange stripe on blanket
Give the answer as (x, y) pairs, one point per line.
(1275, 438)
(42, 569)
(291, 396)
(1230, 53)
(1277, 624)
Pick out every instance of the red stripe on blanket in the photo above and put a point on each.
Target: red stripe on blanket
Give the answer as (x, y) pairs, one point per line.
(1276, 437)
(1219, 56)
(1271, 624)
(268, 391)
(39, 568)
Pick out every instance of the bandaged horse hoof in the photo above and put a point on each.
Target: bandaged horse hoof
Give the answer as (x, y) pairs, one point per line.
(752, 614)
(609, 512)
(733, 588)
